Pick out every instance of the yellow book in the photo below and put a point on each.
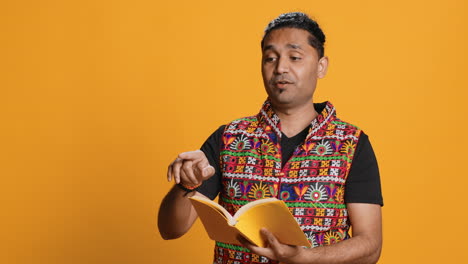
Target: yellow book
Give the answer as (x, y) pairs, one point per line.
(270, 213)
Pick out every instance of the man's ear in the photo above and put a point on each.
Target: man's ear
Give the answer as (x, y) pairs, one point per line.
(322, 67)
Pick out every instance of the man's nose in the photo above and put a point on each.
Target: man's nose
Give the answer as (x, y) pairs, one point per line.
(282, 66)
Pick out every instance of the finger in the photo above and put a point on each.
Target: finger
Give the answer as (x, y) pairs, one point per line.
(271, 239)
(208, 172)
(176, 170)
(192, 155)
(202, 162)
(205, 169)
(169, 172)
(190, 177)
(280, 251)
(183, 177)
(267, 252)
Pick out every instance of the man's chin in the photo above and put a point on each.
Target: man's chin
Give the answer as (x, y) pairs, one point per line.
(281, 102)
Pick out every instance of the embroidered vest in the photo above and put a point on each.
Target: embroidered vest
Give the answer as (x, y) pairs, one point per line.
(311, 183)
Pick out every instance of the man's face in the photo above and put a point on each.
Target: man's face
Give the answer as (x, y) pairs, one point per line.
(290, 67)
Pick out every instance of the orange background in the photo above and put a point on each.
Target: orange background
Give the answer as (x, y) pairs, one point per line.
(97, 97)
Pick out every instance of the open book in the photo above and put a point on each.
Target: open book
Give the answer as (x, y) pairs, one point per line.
(270, 213)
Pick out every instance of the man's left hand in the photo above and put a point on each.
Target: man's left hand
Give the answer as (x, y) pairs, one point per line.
(364, 247)
(274, 250)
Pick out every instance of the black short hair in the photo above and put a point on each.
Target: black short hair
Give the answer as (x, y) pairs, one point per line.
(301, 21)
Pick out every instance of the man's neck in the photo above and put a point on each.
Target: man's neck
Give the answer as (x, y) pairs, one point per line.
(294, 120)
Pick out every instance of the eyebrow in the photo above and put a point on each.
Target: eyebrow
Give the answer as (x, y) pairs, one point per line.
(268, 47)
(294, 46)
(291, 46)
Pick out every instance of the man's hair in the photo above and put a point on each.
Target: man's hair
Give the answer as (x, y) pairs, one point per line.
(301, 21)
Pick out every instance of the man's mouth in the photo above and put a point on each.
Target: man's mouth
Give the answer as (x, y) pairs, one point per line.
(282, 83)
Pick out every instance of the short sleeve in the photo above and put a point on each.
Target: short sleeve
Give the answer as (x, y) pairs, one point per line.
(363, 182)
(211, 187)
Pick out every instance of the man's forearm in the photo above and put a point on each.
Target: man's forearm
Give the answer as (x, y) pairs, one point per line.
(365, 245)
(176, 214)
(358, 249)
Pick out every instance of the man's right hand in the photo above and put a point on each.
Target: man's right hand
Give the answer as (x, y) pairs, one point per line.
(190, 168)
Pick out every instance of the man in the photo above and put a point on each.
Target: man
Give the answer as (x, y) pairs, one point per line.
(300, 152)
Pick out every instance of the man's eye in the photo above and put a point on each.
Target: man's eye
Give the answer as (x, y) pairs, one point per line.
(294, 58)
(270, 59)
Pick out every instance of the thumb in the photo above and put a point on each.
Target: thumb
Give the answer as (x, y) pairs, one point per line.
(270, 238)
(208, 171)
(205, 169)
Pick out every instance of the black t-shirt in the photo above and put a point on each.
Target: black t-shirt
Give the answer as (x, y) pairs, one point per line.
(362, 184)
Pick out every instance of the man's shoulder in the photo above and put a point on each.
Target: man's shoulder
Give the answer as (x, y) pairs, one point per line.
(252, 118)
(235, 124)
(339, 122)
(344, 128)
(243, 122)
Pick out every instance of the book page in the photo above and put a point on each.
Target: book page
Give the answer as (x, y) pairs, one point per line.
(214, 205)
(274, 216)
(250, 205)
(215, 222)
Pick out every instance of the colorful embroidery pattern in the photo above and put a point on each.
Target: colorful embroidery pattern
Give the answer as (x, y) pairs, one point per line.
(311, 183)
